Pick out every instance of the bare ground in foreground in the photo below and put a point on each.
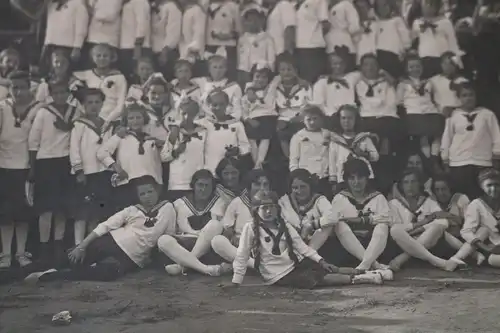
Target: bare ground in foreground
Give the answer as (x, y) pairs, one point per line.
(419, 301)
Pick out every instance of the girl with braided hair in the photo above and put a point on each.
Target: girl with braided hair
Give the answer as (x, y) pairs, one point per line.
(281, 256)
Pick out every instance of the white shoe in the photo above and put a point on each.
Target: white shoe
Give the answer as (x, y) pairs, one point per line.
(387, 274)
(5, 261)
(23, 259)
(226, 268)
(368, 278)
(174, 269)
(34, 277)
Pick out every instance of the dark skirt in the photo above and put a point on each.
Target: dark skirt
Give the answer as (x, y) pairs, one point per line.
(289, 131)
(53, 185)
(384, 127)
(13, 204)
(124, 196)
(264, 130)
(127, 63)
(306, 275)
(432, 66)
(311, 63)
(93, 200)
(390, 63)
(430, 125)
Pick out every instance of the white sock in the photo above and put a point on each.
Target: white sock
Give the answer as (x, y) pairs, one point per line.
(59, 226)
(80, 231)
(44, 226)
(21, 236)
(7, 232)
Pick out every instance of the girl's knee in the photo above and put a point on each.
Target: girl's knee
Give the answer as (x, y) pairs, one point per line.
(397, 231)
(165, 242)
(494, 260)
(218, 243)
(381, 229)
(341, 228)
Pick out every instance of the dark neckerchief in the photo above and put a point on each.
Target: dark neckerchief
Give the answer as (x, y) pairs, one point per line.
(302, 210)
(18, 119)
(416, 212)
(141, 138)
(63, 122)
(275, 238)
(90, 123)
(152, 214)
(370, 92)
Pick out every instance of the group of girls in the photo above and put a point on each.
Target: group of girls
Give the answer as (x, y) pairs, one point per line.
(332, 130)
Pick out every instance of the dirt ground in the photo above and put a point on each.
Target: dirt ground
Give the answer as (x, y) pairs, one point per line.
(419, 301)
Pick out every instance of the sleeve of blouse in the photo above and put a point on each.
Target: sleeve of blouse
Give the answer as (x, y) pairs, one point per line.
(288, 15)
(106, 151)
(173, 28)
(143, 17)
(332, 162)
(243, 253)
(495, 134)
(121, 93)
(382, 215)
(451, 37)
(35, 135)
(75, 155)
(472, 220)
(403, 33)
(243, 143)
(372, 150)
(295, 151)
(230, 216)
(396, 216)
(81, 25)
(446, 140)
(332, 217)
(352, 17)
(301, 247)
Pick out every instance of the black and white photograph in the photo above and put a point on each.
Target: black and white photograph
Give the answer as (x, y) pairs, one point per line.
(239, 166)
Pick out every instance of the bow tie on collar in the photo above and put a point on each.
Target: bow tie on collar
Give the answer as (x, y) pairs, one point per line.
(370, 92)
(421, 88)
(341, 82)
(151, 219)
(367, 27)
(415, 217)
(219, 126)
(470, 119)
(428, 25)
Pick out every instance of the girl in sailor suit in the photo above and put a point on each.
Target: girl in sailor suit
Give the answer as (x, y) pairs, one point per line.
(16, 118)
(436, 35)
(136, 154)
(350, 143)
(336, 89)
(454, 206)
(218, 79)
(225, 135)
(184, 86)
(111, 82)
(360, 218)
(302, 204)
(195, 227)
(291, 94)
(184, 150)
(376, 97)
(344, 21)
(392, 37)
(49, 145)
(417, 228)
(259, 114)
(481, 221)
(423, 120)
(93, 178)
